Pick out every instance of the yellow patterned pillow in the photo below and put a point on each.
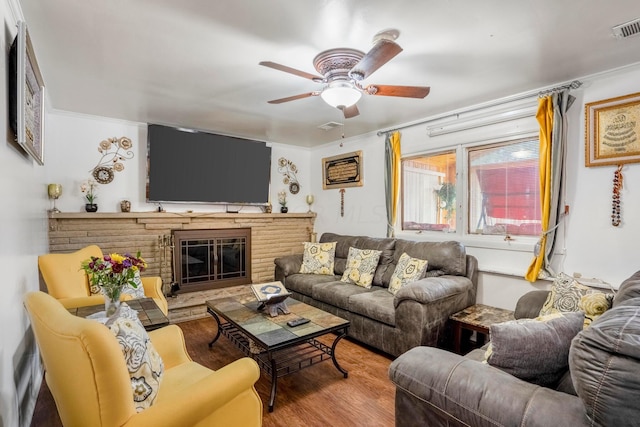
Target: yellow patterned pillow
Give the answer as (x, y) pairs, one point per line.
(318, 258)
(594, 305)
(361, 266)
(566, 296)
(407, 270)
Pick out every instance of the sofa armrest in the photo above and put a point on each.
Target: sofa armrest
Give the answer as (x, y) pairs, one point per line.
(434, 382)
(83, 301)
(431, 289)
(529, 304)
(288, 265)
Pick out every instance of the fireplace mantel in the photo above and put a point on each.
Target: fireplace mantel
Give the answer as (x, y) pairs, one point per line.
(272, 235)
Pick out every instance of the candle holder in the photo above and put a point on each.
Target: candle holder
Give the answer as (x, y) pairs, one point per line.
(310, 200)
(54, 191)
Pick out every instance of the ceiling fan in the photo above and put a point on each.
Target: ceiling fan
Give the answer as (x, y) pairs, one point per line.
(343, 71)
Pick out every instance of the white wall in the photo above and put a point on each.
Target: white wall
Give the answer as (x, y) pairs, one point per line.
(588, 243)
(23, 231)
(75, 153)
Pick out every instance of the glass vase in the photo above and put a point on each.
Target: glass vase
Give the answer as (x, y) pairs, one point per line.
(111, 303)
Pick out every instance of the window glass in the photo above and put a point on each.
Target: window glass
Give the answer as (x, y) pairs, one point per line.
(504, 189)
(429, 192)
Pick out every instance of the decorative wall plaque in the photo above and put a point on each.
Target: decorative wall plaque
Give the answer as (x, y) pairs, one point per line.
(344, 170)
(612, 134)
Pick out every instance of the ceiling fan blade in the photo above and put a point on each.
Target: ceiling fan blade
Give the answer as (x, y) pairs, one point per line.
(290, 70)
(293, 98)
(381, 53)
(403, 91)
(350, 112)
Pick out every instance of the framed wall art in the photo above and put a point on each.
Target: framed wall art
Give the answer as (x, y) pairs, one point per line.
(26, 95)
(344, 170)
(612, 135)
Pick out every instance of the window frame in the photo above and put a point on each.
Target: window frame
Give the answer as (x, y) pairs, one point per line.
(482, 241)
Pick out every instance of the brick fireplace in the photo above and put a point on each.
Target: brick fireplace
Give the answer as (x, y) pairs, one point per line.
(271, 236)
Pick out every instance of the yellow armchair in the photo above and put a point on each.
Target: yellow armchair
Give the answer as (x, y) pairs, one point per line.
(69, 284)
(89, 380)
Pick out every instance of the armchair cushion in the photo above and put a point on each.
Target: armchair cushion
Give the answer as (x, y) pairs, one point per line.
(534, 350)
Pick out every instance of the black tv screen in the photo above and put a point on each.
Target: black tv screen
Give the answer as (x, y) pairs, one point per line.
(200, 167)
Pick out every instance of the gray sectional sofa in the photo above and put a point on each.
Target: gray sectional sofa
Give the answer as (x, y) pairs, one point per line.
(600, 388)
(415, 316)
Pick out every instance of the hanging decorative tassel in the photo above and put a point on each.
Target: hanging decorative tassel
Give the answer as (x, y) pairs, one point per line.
(342, 202)
(617, 186)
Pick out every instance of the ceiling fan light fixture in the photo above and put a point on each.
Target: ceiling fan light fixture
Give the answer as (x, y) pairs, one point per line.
(340, 94)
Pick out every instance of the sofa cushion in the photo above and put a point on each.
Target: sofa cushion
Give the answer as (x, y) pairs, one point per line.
(343, 243)
(376, 305)
(304, 283)
(448, 257)
(318, 258)
(534, 350)
(361, 265)
(593, 305)
(336, 293)
(604, 360)
(408, 270)
(566, 294)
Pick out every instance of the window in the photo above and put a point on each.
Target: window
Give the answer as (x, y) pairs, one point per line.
(504, 188)
(429, 192)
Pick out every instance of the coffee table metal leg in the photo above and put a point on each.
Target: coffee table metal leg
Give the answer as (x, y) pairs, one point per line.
(333, 353)
(274, 382)
(215, 316)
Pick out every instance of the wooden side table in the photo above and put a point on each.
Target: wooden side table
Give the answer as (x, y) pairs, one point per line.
(477, 318)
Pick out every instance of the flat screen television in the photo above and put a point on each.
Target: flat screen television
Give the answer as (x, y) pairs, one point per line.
(198, 167)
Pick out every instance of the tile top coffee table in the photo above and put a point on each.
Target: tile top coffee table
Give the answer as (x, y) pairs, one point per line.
(278, 348)
(149, 313)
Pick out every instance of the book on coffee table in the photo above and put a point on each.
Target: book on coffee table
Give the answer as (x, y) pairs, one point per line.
(270, 293)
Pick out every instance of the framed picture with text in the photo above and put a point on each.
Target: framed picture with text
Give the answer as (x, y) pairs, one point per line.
(344, 170)
(612, 135)
(26, 97)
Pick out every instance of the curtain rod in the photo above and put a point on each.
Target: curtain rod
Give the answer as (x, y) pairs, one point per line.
(540, 93)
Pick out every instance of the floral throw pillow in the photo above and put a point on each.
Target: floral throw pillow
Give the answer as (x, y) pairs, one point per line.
(361, 266)
(407, 270)
(143, 361)
(318, 258)
(566, 294)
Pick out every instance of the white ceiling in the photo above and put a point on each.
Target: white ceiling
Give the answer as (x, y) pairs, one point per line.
(194, 63)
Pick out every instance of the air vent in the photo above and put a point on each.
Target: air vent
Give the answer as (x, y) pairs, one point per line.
(329, 125)
(627, 29)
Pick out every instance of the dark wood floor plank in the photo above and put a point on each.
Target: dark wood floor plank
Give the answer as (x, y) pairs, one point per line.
(316, 396)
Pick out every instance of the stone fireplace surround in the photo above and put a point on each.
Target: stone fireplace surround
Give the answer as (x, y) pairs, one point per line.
(272, 235)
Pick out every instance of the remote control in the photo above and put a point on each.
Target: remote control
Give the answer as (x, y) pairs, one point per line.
(297, 322)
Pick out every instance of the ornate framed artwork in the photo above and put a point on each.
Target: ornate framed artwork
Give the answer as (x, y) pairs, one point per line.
(344, 170)
(26, 95)
(612, 134)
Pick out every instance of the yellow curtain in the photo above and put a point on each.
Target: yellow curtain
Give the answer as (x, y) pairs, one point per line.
(545, 120)
(393, 165)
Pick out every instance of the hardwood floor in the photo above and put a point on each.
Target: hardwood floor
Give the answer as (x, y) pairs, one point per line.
(316, 396)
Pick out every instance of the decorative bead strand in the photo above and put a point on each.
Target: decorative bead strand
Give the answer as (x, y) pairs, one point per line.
(617, 186)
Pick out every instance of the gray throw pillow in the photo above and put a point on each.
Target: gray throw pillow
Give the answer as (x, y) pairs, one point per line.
(534, 350)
